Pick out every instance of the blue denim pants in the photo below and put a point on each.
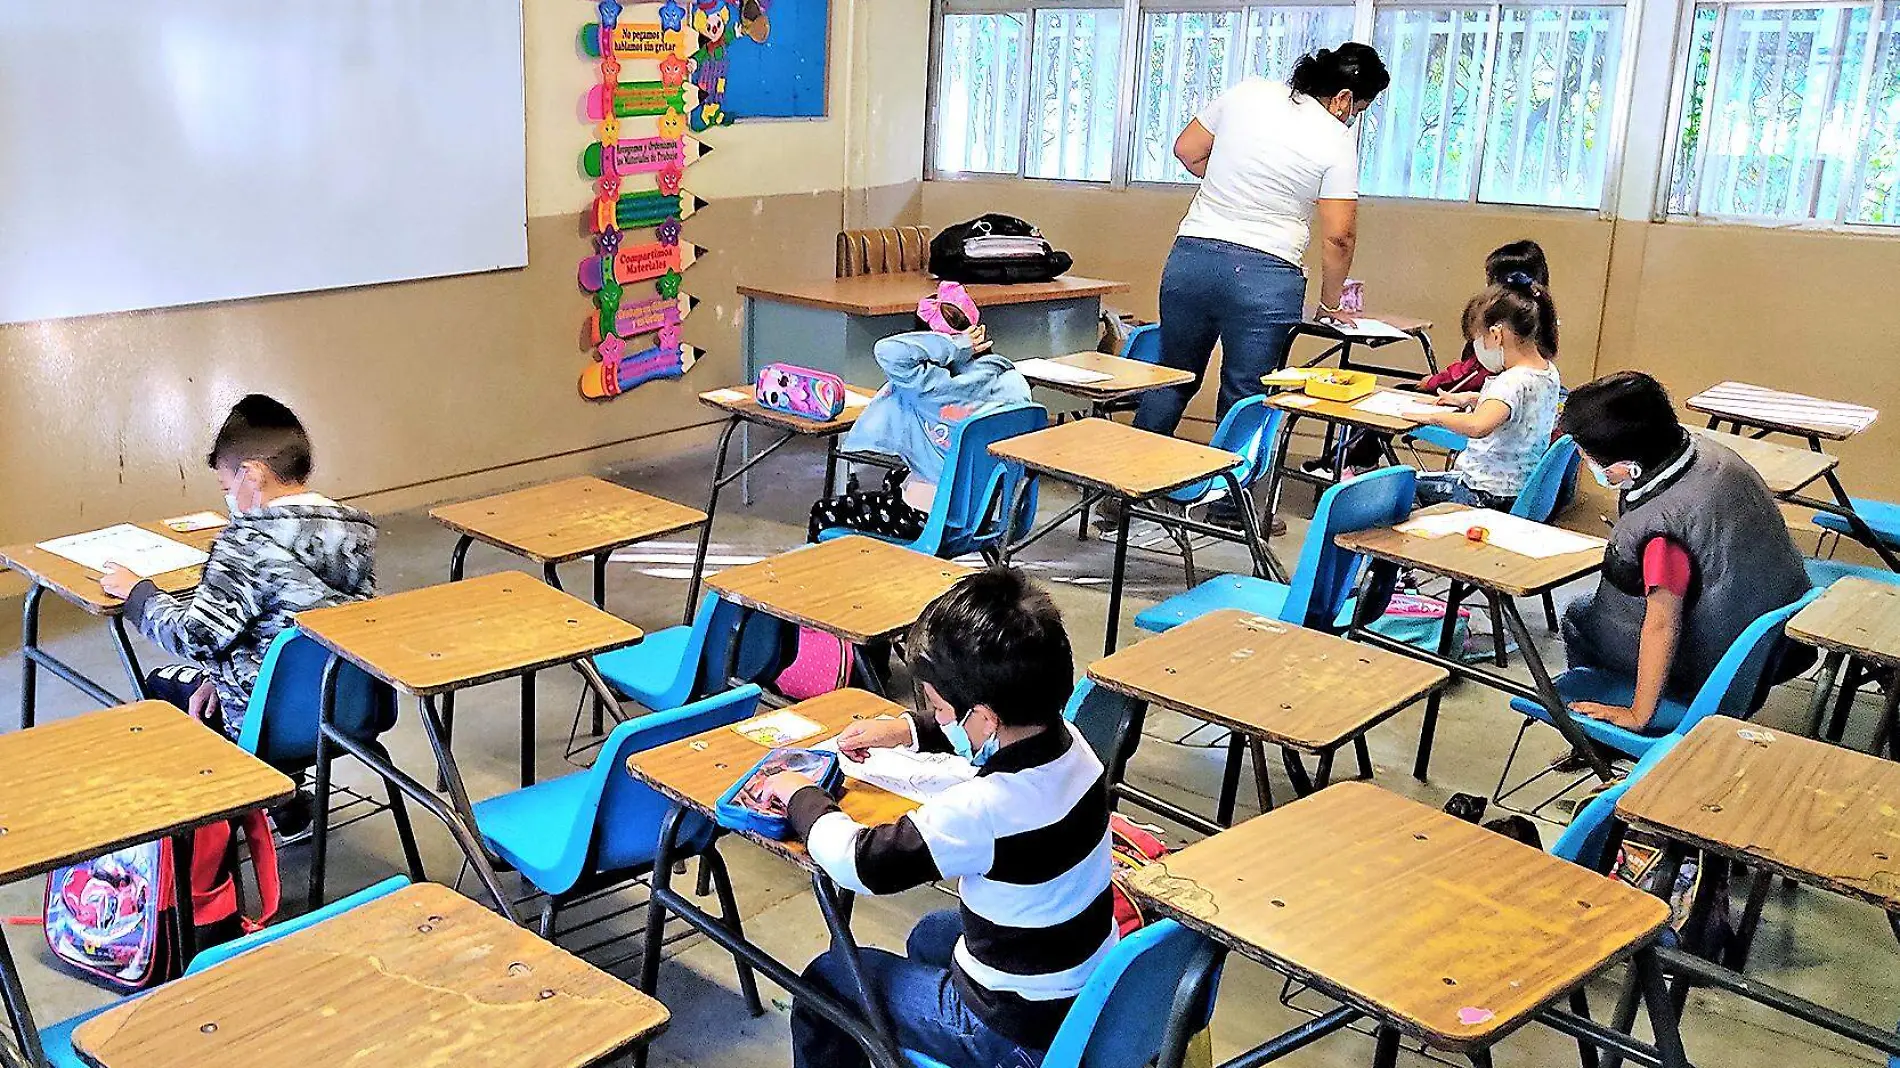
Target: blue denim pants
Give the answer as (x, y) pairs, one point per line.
(918, 997)
(1213, 291)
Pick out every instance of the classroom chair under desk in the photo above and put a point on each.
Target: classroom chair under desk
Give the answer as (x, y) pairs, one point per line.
(58, 1038)
(1737, 687)
(977, 488)
(596, 830)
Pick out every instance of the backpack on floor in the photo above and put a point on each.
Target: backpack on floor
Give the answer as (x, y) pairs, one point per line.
(1416, 621)
(823, 664)
(1132, 847)
(115, 917)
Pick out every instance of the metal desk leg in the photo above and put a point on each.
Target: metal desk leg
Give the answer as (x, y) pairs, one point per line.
(1230, 779)
(1265, 565)
(1862, 532)
(712, 509)
(182, 897)
(527, 728)
(1844, 695)
(600, 602)
(458, 567)
(1385, 1051)
(1668, 868)
(1663, 1019)
(1118, 579)
(1276, 465)
(128, 659)
(445, 760)
(30, 671)
(836, 908)
(1560, 716)
(1823, 688)
(320, 792)
(19, 1015)
(831, 465)
(1447, 631)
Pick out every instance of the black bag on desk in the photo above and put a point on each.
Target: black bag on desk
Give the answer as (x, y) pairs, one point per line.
(995, 249)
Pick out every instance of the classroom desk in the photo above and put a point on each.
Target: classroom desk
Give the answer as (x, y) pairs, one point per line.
(421, 976)
(1341, 343)
(1431, 926)
(1783, 805)
(1788, 470)
(1127, 378)
(1773, 411)
(693, 773)
(79, 586)
(1502, 577)
(1336, 415)
(557, 522)
(1107, 459)
(1266, 682)
(1855, 622)
(855, 588)
(106, 780)
(743, 409)
(434, 641)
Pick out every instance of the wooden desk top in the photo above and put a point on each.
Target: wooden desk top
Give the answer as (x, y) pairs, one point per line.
(1130, 376)
(855, 587)
(1786, 468)
(421, 977)
(1300, 404)
(1452, 933)
(1289, 685)
(80, 787)
(1814, 812)
(1106, 455)
(460, 634)
(1857, 616)
(744, 403)
(695, 771)
(80, 585)
(1789, 413)
(898, 293)
(567, 520)
(1478, 563)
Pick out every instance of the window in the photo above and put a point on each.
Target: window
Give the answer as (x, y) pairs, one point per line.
(1790, 112)
(1502, 103)
(1033, 92)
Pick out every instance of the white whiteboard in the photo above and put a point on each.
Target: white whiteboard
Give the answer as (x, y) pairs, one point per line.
(179, 151)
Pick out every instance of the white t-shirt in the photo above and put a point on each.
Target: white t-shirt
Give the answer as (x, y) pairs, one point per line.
(1501, 462)
(1275, 153)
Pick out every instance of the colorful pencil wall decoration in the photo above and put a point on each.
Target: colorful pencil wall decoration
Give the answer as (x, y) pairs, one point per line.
(635, 328)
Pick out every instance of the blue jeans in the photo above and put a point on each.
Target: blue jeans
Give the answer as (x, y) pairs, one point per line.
(1219, 291)
(918, 997)
(1438, 487)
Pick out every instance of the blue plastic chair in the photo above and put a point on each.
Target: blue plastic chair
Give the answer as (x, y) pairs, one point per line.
(1106, 720)
(1583, 842)
(681, 664)
(1121, 1017)
(1882, 517)
(1247, 430)
(966, 515)
(1143, 343)
(280, 723)
(1321, 589)
(589, 830)
(58, 1038)
(1735, 688)
(1825, 573)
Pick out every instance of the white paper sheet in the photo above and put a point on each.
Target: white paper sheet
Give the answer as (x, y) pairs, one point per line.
(1395, 404)
(1051, 371)
(196, 521)
(1371, 328)
(1507, 532)
(905, 772)
(854, 399)
(139, 550)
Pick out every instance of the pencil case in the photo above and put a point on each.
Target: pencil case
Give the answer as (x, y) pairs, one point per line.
(800, 391)
(817, 765)
(1343, 386)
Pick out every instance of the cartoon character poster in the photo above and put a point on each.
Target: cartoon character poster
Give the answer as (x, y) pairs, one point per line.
(759, 59)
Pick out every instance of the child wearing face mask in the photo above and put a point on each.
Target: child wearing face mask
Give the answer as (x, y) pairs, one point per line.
(1508, 422)
(285, 549)
(1027, 840)
(1699, 551)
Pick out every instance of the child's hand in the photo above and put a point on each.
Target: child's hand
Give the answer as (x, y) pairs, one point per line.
(117, 580)
(864, 735)
(1461, 401)
(203, 705)
(1618, 714)
(778, 789)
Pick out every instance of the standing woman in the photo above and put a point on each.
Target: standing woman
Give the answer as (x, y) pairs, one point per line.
(1270, 157)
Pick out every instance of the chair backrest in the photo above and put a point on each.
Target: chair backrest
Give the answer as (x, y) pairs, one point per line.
(280, 725)
(765, 645)
(887, 250)
(1143, 343)
(1584, 840)
(1120, 1018)
(1740, 682)
(1248, 429)
(1106, 720)
(1324, 577)
(210, 956)
(1551, 482)
(976, 483)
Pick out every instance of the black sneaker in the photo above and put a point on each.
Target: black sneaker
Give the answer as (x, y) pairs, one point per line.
(1318, 468)
(1107, 517)
(292, 819)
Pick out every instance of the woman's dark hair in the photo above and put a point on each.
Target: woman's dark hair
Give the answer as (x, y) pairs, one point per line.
(1624, 416)
(262, 429)
(1352, 67)
(996, 639)
(1526, 308)
(1518, 257)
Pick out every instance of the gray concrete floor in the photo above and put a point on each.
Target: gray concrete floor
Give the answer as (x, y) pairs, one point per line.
(1816, 944)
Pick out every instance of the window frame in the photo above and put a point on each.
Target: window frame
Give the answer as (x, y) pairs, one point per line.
(1683, 65)
(1364, 13)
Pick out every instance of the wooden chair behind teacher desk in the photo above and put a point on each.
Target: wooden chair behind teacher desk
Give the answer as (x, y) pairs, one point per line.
(890, 250)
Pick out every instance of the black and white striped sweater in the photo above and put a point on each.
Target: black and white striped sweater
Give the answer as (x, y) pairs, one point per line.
(1028, 841)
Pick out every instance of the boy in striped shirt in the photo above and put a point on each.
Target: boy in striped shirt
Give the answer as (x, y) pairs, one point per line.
(1027, 840)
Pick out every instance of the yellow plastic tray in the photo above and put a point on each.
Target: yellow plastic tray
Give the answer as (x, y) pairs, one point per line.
(1347, 386)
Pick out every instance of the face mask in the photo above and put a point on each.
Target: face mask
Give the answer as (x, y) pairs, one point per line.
(1491, 359)
(230, 505)
(1602, 476)
(960, 741)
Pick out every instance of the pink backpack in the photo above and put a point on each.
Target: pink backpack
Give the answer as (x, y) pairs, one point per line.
(823, 664)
